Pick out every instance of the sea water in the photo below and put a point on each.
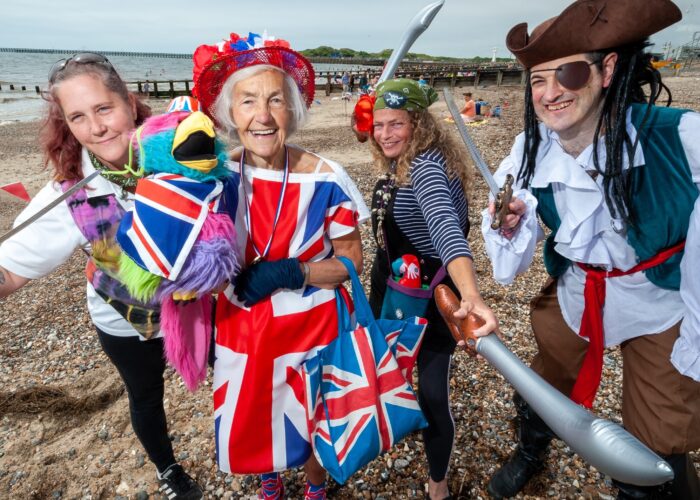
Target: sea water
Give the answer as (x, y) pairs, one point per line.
(31, 70)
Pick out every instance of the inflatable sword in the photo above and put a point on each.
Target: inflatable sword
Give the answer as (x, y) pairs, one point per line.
(416, 27)
(603, 444)
(502, 195)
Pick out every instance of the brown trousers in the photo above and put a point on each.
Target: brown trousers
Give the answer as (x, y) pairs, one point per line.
(660, 406)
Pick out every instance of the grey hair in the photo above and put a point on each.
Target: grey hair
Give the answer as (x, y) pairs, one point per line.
(222, 105)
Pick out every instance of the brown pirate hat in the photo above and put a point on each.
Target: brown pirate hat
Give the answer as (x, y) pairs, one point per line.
(590, 25)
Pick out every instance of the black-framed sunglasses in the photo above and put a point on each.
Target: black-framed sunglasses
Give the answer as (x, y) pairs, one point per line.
(573, 75)
(81, 58)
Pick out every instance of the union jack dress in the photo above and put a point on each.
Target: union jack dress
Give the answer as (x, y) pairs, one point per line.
(260, 417)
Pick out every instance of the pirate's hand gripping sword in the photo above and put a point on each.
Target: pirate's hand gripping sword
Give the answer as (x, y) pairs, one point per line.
(502, 195)
(605, 445)
(502, 202)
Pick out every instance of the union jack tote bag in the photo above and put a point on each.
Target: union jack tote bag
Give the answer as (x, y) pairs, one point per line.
(358, 389)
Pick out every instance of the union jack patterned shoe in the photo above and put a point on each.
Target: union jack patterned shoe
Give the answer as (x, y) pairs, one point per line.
(313, 492)
(272, 487)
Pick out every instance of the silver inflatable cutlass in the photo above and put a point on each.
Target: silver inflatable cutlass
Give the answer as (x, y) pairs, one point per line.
(603, 444)
(416, 27)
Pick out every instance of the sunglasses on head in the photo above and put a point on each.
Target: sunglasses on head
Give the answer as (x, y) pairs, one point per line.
(82, 58)
(573, 75)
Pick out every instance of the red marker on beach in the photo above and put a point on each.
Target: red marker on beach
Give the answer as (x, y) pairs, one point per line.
(16, 189)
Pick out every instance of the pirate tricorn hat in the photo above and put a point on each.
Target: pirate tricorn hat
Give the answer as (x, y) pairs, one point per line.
(590, 25)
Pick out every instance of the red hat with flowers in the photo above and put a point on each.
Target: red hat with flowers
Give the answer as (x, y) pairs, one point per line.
(213, 64)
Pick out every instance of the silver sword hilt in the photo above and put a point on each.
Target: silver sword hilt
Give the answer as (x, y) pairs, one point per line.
(502, 202)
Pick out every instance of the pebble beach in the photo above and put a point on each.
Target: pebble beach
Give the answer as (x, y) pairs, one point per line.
(64, 418)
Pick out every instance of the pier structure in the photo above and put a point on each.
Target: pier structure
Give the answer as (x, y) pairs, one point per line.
(690, 52)
(160, 55)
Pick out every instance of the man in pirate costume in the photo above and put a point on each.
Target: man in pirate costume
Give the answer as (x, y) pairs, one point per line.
(615, 178)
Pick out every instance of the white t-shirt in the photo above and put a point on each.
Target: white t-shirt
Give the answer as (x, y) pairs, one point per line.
(49, 241)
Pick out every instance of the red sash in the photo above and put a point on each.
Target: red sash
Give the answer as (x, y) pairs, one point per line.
(589, 375)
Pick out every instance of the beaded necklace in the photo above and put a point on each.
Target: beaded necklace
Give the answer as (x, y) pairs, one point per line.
(383, 199)
(122, 178)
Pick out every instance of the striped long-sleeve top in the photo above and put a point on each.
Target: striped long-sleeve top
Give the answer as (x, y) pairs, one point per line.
(432, 212)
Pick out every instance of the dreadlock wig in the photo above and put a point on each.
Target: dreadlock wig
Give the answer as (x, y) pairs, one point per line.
(633, 71)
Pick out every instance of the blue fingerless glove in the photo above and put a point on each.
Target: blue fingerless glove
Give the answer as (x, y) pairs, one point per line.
(262, 279)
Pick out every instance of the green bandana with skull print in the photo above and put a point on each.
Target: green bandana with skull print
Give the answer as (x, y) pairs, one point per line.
(403, 93)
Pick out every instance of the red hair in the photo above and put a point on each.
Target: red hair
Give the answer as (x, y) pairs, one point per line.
(60, 147)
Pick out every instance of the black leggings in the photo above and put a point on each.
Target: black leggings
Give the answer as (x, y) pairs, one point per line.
(141, 365)
(433, 365)
(433, 380)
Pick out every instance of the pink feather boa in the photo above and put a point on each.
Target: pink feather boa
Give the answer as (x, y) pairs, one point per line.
(187, 330)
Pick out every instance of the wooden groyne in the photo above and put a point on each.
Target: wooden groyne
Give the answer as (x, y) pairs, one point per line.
(21, 88)
(435, 76)
(437, 79)
(162, 89)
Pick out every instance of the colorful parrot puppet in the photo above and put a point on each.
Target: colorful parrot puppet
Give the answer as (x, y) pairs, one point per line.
(177, 246)
(407, 271)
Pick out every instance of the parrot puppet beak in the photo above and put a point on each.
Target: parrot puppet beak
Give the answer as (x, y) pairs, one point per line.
(193, 145)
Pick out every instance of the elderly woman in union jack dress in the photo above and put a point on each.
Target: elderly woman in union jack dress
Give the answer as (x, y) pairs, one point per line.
(294, 212)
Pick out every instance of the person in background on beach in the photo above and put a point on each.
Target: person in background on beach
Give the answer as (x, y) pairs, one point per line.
(345, 80)
(419, 207)
(615, 178)
(468, 112)
(373, 84)
(294, 213)
(147, 88)
(89, 119)
(364, 82)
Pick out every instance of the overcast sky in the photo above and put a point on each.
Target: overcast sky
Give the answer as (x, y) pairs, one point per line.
(463, 28)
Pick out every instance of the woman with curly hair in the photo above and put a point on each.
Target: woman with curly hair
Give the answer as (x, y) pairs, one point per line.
(419, 208)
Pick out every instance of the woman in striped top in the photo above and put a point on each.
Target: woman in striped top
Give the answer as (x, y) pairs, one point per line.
(420, 208)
